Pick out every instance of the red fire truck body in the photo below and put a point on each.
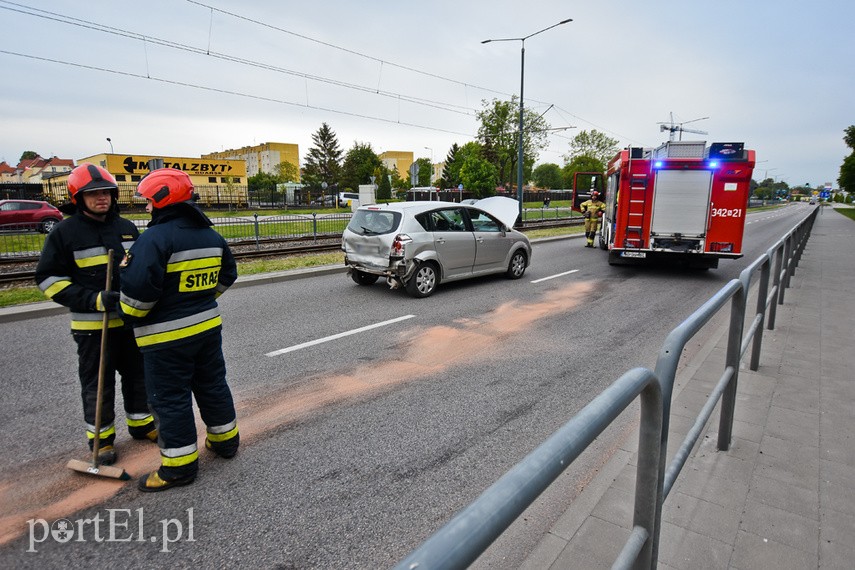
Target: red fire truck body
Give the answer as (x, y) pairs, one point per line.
(682, 201)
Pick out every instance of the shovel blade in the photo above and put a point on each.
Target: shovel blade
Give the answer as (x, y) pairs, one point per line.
(98, 470)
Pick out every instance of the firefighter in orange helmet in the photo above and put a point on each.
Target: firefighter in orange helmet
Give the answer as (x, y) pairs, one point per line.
(72, 271)
(592, 210)
(171, 279)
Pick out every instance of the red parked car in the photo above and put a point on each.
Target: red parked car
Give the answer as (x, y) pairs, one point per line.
(28, 215)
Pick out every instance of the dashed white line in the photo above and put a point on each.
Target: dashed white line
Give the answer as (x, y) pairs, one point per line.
(554, 276)
(338, 336)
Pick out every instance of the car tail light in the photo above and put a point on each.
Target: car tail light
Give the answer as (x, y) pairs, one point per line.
(399, 245)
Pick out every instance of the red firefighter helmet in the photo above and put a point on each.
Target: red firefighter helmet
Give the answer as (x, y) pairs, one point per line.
(594, 195)
(166, 186)
(86, 177)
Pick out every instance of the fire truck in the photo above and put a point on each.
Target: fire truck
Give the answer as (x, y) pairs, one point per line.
(684, 202)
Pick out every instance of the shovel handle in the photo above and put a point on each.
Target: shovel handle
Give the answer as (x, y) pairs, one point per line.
(102, 365)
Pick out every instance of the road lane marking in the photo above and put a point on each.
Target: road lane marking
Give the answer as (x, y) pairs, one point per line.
(338, 336)
(554, 276)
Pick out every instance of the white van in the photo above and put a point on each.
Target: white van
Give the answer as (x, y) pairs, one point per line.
(347, 199)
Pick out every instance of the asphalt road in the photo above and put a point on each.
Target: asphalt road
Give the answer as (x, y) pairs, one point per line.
(356, 448)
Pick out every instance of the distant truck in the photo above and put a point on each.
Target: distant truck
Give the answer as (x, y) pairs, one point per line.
(682, 201)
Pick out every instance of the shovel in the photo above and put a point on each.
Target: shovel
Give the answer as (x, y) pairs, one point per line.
(93, 467)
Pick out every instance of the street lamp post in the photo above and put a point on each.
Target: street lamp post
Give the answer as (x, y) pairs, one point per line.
(111, 145)
(522, 85)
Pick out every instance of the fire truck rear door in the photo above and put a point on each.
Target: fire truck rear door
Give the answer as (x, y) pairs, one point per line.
(681, 202)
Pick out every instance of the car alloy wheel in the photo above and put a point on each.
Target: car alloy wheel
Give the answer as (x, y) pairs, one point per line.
(48, 225)
(516, 267)
(424, 281)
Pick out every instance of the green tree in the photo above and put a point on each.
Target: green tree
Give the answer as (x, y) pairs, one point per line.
(358, 167)
(846, 180)
(384, 185)
(479, 176)
(287, 172)
(29, 155)
(849, 136)
(425, 170)
(323, 161)
(499, 135)
(581, 163)
(594, 144)
(398, 184)
(548, 176)
(263, 185)
(451, 170)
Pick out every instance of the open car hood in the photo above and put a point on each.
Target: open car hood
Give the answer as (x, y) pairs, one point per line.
(506, 209)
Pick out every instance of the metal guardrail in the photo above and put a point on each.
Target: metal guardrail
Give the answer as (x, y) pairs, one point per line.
(470, 532)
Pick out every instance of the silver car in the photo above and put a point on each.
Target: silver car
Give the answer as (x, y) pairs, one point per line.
(418, 245)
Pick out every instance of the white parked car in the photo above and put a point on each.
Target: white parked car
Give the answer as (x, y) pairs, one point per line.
(418, 245)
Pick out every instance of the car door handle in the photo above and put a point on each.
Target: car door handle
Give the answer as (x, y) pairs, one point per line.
(479, 239)
(440, 240)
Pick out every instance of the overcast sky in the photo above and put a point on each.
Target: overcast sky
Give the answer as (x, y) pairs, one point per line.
(213, 75)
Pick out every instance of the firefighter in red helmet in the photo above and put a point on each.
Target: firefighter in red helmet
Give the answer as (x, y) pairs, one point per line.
(592, 210)
(170, 282)
(72, 271)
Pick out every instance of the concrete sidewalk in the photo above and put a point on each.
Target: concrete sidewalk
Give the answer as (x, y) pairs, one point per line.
(783, 495)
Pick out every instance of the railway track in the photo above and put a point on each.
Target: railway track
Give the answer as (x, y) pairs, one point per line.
(10, 275)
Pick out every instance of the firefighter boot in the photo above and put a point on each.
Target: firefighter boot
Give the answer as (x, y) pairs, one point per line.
(590, 237)
(154, 482)
(107, 455)
(142, 426)
(225, 449)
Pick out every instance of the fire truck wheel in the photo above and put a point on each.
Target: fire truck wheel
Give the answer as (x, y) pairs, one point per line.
(603, 244)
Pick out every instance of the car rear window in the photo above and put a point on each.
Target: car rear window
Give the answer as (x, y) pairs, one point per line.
(374, 222)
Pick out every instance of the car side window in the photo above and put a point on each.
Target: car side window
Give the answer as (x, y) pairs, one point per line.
(482, 222)
(448, 220)
(424, 221)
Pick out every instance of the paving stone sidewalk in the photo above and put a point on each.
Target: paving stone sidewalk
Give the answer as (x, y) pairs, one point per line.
(783, 496)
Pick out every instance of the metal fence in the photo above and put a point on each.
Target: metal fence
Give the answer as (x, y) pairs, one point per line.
(25, 241)
(470, 532)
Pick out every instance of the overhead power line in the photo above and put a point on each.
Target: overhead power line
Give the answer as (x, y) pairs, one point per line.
(70, 20)
(443, 106)
(229, 92)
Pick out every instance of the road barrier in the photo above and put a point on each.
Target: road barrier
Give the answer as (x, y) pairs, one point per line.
(470, 532)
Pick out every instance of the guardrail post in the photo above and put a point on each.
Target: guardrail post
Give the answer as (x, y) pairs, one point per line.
(785, 274)
(776, 285)
(257, 245)
(734, 350)
(762, 299)
(648, 492)
(314, 226)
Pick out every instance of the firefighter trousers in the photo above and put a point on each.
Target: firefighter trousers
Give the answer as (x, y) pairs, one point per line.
(123, 357)
(591, 226)
(174, 376)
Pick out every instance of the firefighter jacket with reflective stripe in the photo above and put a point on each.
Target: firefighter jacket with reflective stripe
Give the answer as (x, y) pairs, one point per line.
(172, 276)
(594, 206)
(72, 268)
